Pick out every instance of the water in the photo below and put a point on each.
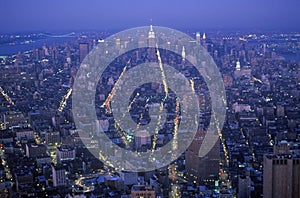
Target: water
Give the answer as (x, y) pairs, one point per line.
(6, 50)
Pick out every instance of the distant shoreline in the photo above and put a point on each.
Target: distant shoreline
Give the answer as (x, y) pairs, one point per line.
(9, 50)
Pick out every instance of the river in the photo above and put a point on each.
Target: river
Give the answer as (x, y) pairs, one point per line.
(6, 50)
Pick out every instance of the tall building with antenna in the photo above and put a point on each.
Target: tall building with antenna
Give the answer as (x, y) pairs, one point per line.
(151, 37)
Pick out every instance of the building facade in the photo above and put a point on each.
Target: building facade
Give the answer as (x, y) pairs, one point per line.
(281, 173)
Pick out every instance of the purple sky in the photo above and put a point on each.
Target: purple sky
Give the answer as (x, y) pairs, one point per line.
(52, 15)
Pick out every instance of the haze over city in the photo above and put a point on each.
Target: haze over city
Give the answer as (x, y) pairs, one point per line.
(56, 15)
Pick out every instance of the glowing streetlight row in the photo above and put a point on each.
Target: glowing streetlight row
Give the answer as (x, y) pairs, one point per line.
(63, 102)
(7, 98)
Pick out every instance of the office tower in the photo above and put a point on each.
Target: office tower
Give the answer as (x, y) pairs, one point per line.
(59, 176)
(202, 169)
(52, 138)
(238, 66)
(198, 37)
(118, 43)
(142, 191)
(36, 150)
(142, 140)
(65, 153)
(238, 72)
(244, 187)
(23, 178)
(204, 36)
(281, 173)
(151, 37)
(4, 122)
(264, 48)
(83, 51)
(24, 133)
(280, 111)
(183, 53)
(142, 40)
(203, 42)
(129, 178)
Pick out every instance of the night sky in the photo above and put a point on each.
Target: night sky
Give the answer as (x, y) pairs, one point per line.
(64, 15)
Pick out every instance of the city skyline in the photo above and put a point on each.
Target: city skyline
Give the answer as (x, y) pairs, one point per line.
(150, 98)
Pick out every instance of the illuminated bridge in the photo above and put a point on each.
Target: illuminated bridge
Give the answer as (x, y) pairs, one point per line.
(72, 34)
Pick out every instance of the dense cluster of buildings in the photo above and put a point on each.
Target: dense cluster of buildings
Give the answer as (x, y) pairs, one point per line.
(44, 155)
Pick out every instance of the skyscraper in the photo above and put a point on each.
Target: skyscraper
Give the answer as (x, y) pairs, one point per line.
(198, 37)
(83, 51)
(281, 173)
(244, 184)
(183, 53)
(151, 37)
(142, 191)
(65, 153)
(204, 36)
(238, 66)
(201, 169)
(59, 176)
(264, 48)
